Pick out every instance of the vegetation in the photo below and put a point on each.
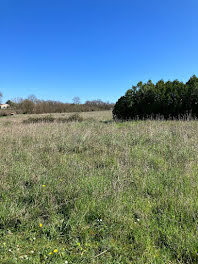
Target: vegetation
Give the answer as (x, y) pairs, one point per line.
(32, 105)
(50, 119)
(98, 192)
(1, 95)
(164, 99)
(45, 119)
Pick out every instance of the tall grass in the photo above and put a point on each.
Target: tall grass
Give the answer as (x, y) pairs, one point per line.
(99, 192)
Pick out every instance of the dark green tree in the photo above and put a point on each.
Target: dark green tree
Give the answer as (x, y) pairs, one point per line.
(168, 99)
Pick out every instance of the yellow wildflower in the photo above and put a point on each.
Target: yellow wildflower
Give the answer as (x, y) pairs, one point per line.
(41, 225)
(50, 253)
(43, 185)
(55, 250)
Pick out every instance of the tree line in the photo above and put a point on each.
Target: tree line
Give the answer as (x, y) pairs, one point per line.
(171, 99)
(32, 105)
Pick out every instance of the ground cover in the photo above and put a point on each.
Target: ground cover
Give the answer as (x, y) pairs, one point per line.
(98, 191)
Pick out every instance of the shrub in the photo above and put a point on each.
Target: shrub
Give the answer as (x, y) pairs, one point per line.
(5, 112)
(45, 119)
(75, 117)
(50, 119)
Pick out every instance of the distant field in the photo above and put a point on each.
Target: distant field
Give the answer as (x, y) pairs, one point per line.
(97, 191)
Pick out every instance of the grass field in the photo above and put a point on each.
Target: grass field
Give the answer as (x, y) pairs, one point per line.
(97, 191)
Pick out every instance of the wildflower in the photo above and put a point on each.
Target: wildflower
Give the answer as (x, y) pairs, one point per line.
(55, 250)
(43, 185)
(32, 251)
(41, 225)
(50, 253)
(10, 250)
(66, 262)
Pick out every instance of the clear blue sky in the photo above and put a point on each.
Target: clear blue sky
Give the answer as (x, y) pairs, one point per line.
(58, 49)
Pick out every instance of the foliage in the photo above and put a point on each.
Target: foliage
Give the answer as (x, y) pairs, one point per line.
(75, 117)
(12, 104)
(45, 119)
(6, 112)
(50, 119)
(32, 105)
(167, 99)
(1, 95)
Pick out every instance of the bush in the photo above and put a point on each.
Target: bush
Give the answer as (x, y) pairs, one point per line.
(50, 119)
(45, 119)
(75, 117)
(6, 112)
(169, 100)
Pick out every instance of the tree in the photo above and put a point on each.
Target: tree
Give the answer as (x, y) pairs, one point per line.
(27, 106)
(76, 100)
(11, 104)
(172, 99)
(32, 98)
(1, 95)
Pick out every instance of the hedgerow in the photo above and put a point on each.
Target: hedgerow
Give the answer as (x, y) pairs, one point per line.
(167, 99)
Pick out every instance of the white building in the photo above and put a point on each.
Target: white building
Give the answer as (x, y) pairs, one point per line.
(4, 106)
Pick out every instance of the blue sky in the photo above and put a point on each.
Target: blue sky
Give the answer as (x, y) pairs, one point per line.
(94, 49)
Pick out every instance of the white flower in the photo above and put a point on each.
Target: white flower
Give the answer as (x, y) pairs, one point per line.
(66, 262)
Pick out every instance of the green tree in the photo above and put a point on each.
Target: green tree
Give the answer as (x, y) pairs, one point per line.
(172, 99)
(11, 104)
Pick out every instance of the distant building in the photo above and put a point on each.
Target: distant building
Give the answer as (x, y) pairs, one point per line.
(4, 106)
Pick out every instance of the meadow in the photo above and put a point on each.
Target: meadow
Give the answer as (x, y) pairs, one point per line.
(98, 191)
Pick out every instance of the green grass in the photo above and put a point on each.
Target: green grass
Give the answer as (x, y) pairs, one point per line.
(103, 192)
